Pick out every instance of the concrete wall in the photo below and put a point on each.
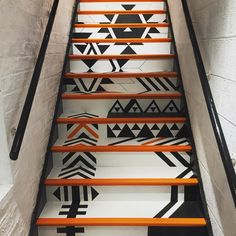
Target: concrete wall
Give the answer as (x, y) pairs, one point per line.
(21, 30)
(219, 200)
(214, 22)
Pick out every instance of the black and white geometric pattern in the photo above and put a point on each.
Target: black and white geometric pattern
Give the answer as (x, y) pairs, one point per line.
(74, 193)
(147, 130)
(121, 18)
(121, 48)
(119, 33)
(78, 164)
(124, 85)
(121, 65)
(134, 107)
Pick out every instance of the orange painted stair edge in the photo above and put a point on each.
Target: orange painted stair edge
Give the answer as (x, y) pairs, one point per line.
(121, 148)
(123, 40)
(120, 75)
(128, 12)
(162, 222)
(122, 182)
(120, 96)
(123, 56)
(125, 25)
(128, 120)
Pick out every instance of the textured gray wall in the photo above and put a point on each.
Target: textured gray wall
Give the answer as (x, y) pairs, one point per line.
(22, 26)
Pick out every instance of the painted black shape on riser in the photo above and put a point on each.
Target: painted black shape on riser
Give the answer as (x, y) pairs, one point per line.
(177, 231)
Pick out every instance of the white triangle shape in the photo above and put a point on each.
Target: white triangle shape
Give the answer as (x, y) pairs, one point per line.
(128, 30)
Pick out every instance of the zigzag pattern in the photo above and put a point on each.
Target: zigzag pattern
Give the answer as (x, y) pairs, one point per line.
(78, 164)
(137, 85)
(146, 130)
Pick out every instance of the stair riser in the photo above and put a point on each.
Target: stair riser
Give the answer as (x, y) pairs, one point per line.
(120, 6)
(114, 193)
(121, 65)
(164, 159)
(133, 85)
(121, 18)
(126, 48)
(135, 130)
(123, 107)
(91, 231)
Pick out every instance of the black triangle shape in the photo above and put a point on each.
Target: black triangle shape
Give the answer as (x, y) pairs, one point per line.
(136, 127)
(103, 48)
(128, 50)
(57, 194)
(89, 63)
(94, 193)
(126, 132)
(152, 105)
(110, 133)
(116, 127)
(183, 132)
(174, 127)
(171, 106)
(147, 16)
(104, 30)
(106, 81)
(109, 37)
(109, 17)
(80, 47)
(145, 132)
(122, 62)
(165, 132)
(155, 127)
(153, 30)
(131, 105)
(128, 7)
(115, 106)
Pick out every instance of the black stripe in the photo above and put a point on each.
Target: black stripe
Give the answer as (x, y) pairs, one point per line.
(174, 194)
(144, 85)
(180, 158)
(184, 173)
(122, 141)
(165, 159)
(170, 83)
(162, 84)
(153, 84)
(85, 190)
(165, 210)
(66, 196)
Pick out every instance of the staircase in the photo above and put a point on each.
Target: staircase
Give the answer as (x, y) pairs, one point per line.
(123, 163)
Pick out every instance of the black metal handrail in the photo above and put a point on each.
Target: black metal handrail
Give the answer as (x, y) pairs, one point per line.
(215, 121)
(17, 142)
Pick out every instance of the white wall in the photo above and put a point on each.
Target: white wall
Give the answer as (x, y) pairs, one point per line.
(214, 22)
(21, 30)
(219, 200)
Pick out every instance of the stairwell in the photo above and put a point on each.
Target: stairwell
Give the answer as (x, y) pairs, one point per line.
(123, 160)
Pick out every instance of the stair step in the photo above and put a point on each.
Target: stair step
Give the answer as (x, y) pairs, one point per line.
(88, 118)
(121, 5)
(121, 63)
(123, 25)
(124, 56)
(120, 75)
(160, 95)
(94, 144)
(124, 41)
(127, 12)
(170, 222)
(136, 175)
(70, 161)
(114, 51)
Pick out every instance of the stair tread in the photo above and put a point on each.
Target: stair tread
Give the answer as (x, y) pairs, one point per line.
(104, 141)
(120, 75)
(135, 172)
(120, 209)
(93, 118)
